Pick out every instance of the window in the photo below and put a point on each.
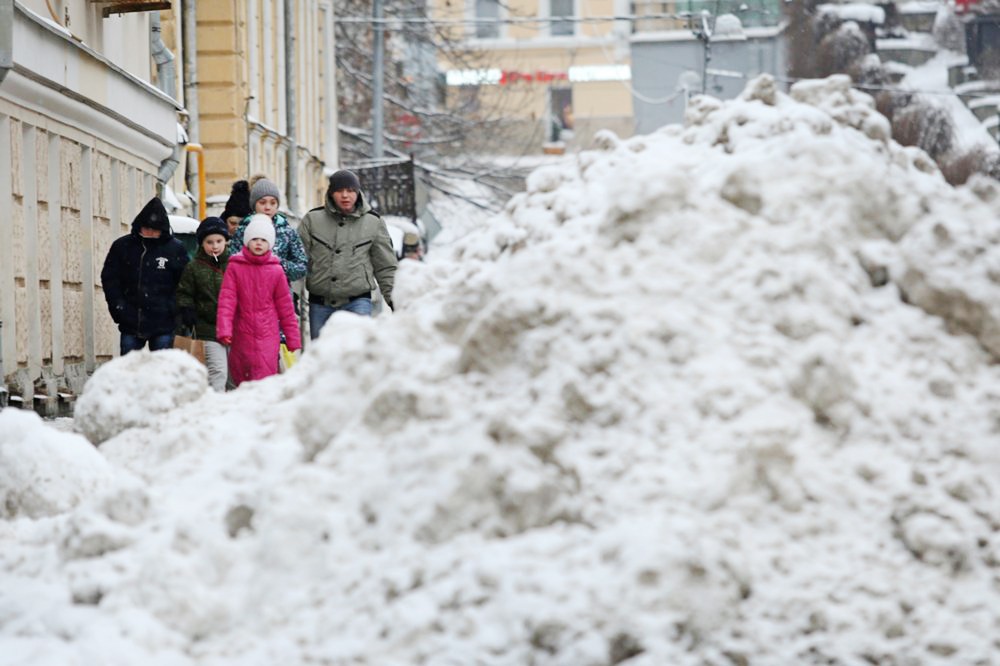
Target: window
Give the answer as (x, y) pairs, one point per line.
(487, 15)
(561, 9)
(560, 114)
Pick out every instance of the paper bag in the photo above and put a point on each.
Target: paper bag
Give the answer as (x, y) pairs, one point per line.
(192, 346)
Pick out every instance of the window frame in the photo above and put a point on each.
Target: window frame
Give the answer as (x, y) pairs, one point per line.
(472, 12)
(574, 12)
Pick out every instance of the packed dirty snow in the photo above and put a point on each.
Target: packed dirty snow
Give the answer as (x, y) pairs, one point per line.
(137, 390)
(704, 396)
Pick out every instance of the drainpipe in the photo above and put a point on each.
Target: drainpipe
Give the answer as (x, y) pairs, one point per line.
(6, 37)
(290, 109)
(200, 152)
(166, 70)
(166, 80)
(190, 45)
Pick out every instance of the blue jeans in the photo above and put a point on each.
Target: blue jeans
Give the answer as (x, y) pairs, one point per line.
(133, 342)
(318, 314)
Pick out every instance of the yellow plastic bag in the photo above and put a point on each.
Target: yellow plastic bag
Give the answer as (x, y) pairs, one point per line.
(288, 357)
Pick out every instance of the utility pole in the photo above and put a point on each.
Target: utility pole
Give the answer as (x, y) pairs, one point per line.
(705, 35)
(378, 74)
(291, 109)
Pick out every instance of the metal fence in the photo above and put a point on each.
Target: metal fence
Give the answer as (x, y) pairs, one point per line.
(389, 186)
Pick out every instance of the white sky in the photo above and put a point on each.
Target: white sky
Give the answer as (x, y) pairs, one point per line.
(725, 391)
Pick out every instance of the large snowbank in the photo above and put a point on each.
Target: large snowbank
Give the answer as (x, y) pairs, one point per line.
(697, 397)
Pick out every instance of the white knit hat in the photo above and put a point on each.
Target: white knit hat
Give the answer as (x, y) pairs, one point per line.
(260, 227)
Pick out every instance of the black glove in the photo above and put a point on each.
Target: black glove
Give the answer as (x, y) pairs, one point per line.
(188, 317)
(388, 301)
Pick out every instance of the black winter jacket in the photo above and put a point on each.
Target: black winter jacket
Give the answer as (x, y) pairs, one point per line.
(140, 275)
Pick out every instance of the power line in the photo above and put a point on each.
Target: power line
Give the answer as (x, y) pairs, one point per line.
(531, 20)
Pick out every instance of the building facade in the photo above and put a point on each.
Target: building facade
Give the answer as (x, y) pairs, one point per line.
(265, 88)
(564, 69)
(559, 69)
(694, 52)
(83, 135)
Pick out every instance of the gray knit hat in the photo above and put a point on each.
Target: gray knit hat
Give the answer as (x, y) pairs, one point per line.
(263, 188)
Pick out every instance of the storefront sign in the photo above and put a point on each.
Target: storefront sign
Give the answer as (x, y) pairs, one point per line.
(502, 77)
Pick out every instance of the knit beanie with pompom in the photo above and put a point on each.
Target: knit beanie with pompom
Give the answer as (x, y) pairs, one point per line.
(238, 204)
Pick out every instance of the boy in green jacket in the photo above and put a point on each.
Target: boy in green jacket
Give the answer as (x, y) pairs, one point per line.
(198, 295)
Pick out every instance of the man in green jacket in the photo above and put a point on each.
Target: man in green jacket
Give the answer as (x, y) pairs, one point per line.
(349, 251)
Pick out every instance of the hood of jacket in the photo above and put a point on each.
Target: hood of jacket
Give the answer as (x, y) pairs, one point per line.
(360, 208)
(153, 216)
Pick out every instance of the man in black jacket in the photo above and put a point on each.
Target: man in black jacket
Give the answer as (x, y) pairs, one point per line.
(140, 279)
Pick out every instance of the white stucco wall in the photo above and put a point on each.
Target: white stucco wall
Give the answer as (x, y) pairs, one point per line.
(81, 140)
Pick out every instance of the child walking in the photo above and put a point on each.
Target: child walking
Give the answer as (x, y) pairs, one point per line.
(198, 295)
(287, 246)
(255, 306)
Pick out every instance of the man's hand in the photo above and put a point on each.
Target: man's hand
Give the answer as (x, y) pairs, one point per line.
(188, 316)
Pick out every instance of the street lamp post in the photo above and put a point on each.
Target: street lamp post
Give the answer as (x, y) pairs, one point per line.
(378, 67)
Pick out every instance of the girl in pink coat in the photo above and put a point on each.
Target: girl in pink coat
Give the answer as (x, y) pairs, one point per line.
(253, 302)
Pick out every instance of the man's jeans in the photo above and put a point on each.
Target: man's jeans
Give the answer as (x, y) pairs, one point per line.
(318, 314)
(131, 342)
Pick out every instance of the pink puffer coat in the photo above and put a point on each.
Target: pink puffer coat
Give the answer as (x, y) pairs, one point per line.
(253, 302)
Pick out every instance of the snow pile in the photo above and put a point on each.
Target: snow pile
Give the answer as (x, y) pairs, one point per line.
(671, 407)
(43, 472)
(136, 389)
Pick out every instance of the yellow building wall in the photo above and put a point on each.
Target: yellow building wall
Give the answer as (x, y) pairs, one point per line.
(222, 88)
(241, 55)
(528, 49)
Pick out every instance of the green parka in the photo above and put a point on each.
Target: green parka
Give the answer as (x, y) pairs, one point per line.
(199, 289)
(348, 253)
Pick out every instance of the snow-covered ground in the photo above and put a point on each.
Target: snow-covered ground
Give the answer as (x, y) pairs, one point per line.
(723, 394)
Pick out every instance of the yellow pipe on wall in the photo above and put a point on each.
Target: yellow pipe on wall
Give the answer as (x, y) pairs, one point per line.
(200, 155)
